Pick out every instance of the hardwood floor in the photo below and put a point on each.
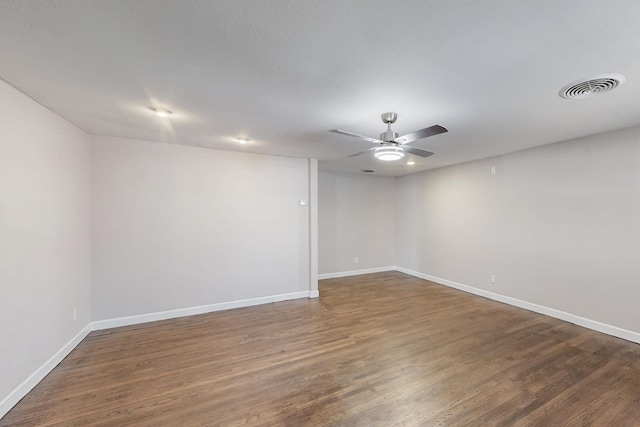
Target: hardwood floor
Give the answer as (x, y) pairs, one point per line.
(382, 349)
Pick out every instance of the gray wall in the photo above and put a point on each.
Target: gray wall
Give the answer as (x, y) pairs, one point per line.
(45, 216)
(558, 226)
(356, 220)
(178, 227)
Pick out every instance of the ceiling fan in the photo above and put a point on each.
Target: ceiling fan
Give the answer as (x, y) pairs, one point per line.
(390, 145)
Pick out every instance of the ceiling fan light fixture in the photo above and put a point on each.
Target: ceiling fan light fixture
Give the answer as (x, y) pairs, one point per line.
(388, 153)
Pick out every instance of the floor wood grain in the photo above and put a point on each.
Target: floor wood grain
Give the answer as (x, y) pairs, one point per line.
(382, 349)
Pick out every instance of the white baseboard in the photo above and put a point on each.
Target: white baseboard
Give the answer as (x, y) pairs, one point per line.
(190, 311)
(28, 384)
(355, 272)
(551, 312)
(32, 380)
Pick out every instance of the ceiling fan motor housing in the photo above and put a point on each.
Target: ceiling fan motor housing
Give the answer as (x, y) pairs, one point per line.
(388, 136)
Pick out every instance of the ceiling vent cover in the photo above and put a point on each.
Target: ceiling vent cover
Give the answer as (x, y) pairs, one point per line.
(585, 88)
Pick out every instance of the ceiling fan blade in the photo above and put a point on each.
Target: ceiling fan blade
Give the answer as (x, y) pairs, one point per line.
(366, 138)
(363, 152)
(422, 133)
(417, 151)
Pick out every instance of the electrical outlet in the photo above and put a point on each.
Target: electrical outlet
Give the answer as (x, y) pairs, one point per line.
(493, 170)
(75, 314)
(356, 260)
(493, 278)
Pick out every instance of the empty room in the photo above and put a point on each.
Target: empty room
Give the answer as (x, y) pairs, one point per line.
(319, 213)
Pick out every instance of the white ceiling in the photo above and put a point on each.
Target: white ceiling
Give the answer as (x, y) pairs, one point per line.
(285, 72)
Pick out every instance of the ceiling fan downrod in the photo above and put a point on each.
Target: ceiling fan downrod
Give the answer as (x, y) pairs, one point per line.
(388, 119)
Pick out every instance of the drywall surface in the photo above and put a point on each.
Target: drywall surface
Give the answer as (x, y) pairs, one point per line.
(177, 227)
(557, 225)
(356, 220)
(45, 216)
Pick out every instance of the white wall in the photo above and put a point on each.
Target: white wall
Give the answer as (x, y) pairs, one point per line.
(45, 268)
(356, 220)
(558, 225)
(177, 226)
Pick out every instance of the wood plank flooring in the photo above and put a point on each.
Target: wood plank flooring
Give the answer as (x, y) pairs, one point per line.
(382, 349)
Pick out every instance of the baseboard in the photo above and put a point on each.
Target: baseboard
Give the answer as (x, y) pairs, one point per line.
(190, 311)
(32, 380)
(551, 312)
(355, 272)
(28, 384)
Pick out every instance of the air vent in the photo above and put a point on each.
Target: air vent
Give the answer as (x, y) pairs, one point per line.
(585, 88)
(367, 170)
